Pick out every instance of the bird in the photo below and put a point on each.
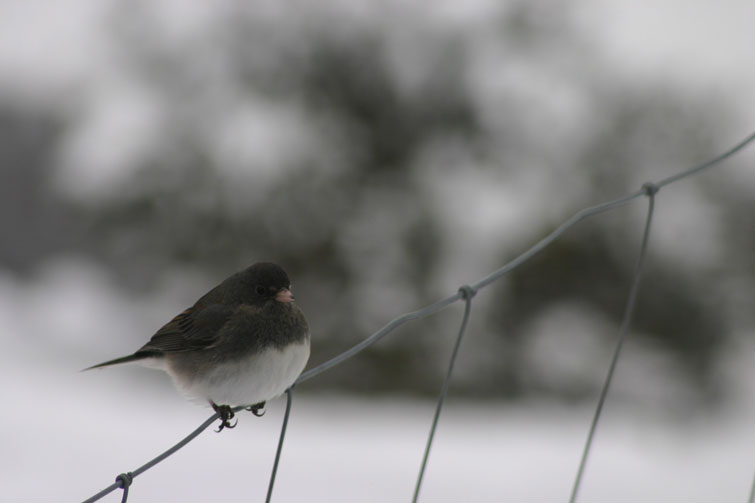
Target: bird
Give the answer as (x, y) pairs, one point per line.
(241, 344)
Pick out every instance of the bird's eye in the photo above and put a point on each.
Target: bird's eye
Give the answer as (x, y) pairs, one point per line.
(260, 290)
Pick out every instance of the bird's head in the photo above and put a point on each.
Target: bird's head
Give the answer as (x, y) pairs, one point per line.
(266, 281)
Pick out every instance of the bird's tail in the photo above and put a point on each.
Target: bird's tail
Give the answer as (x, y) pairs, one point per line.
(124, 359)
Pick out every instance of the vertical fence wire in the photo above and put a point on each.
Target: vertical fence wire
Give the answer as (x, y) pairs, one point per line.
(280, 446)
(650, 190)
(124, 480)
(468, 293)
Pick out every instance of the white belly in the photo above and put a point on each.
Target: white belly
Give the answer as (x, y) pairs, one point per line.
(256, 379)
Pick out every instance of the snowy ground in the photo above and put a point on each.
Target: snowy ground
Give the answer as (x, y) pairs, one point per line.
(66, 435)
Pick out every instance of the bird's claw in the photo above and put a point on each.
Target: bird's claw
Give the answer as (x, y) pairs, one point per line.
(226, 414)
(258, 409)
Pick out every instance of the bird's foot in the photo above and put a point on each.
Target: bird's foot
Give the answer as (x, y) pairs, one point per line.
(226, 414)
(258, 409)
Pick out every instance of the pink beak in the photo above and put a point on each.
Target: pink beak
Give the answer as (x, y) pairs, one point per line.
(284, 295)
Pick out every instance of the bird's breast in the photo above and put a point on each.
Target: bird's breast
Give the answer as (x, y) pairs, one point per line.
(249, 380)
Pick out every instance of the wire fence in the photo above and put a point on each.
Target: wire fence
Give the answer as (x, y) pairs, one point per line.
(465, 294)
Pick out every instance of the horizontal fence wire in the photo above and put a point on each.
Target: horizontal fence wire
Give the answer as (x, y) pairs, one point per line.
(466, 293)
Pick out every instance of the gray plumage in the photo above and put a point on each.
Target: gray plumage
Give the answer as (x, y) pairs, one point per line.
(242, 343)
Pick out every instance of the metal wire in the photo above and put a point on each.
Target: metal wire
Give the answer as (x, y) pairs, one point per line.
(125, 480)
(649, 189)
(444, 303)
(385, 330)
(286, 414)
(700, 167)
(119, 482)
(468, 293)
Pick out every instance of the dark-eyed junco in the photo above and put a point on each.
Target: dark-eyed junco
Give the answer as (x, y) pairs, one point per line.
(242, 343)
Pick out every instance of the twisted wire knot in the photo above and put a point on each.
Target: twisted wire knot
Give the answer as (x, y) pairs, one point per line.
(650, 188)
(125, 480)
(467, 292)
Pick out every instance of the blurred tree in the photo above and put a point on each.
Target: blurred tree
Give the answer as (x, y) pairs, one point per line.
(337, 117)
(34, 220)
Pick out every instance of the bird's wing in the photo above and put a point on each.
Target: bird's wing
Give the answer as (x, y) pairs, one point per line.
(193, 329)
